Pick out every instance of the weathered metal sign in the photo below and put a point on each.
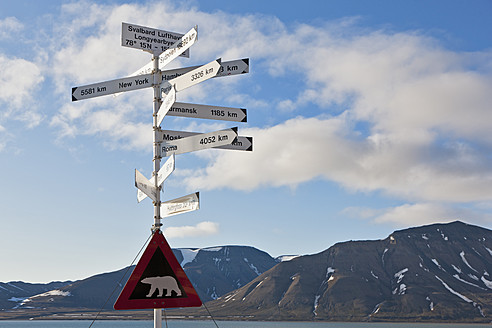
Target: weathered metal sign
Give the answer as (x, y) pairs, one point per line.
(181, 205)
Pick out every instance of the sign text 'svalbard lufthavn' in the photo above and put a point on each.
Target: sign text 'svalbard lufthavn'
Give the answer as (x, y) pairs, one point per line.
(148, 39)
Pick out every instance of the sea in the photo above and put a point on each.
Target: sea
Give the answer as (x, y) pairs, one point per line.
(221, 324)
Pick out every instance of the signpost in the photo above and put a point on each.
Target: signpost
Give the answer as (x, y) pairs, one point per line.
(158, 281)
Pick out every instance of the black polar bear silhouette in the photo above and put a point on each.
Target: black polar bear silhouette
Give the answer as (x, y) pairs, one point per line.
(160, 283)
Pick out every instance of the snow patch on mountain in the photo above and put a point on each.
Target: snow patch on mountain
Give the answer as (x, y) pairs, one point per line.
(285, 258)
(316, 299)
(251, 265)
(382, 256)
(188, 255)
(452, 291)
(463, 258)
(467, 282)
(212, 249)
(437, 264)
(487, 282)
(400, 275)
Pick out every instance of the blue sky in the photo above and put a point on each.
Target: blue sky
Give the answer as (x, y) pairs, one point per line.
(367, 117)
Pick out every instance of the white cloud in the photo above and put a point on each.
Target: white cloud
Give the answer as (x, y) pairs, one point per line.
(301, 150)
(419, 214)
(201, 229)
(8, 26)
(18, 82)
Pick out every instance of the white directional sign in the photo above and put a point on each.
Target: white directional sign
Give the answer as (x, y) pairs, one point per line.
(166, 170)
(113, 86)
(208, 112)
(241, 143)
(162, 175)
(180, 46)
(148, 39)
(143, 184)
(181, 205)
(233, 67)
(198, 142)
(167, 101)
(193, 77)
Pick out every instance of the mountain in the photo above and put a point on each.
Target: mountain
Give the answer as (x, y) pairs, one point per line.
(219, 270)
(439, 272)
(15, 291)
(213, 271)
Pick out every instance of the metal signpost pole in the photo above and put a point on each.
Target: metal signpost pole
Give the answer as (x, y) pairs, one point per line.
(157, 164)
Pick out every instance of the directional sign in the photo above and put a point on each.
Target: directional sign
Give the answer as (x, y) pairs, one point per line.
(233, 67)
(208, 112)
(162, 175)
(140, 195)
(143, 184)
(166, 170)
(181, 205)
(158, 281)
(167, 101)
(241, 143)
(180, 46)
(113, 86)
(198, 142)
(195, 76)
(148, 39)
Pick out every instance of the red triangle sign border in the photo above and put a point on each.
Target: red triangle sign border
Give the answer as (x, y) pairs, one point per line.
(190, 297)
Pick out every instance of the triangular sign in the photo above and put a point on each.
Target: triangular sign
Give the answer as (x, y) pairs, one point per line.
(158, 281)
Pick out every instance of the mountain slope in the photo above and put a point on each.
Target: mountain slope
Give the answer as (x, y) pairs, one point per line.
(436, 272)
(15, 291)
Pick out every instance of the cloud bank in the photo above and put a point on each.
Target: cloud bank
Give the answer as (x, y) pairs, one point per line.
(201, 229)
(392, 112)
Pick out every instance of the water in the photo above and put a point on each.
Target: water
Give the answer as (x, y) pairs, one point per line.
(223, 324)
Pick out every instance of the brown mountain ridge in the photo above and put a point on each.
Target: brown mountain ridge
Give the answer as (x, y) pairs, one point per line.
(439, 272)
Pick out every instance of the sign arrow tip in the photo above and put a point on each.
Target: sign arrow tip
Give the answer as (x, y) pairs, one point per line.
(245, 119)
(73, 91)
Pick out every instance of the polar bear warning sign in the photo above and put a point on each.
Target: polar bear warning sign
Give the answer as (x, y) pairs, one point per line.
(158, 281)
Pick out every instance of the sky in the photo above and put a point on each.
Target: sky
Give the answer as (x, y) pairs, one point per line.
(366, 116)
